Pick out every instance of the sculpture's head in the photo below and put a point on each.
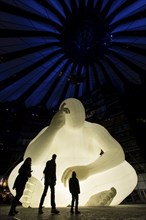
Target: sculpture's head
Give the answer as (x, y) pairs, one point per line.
(76, 117)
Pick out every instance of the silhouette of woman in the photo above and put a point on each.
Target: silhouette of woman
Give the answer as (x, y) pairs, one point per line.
(19, 185)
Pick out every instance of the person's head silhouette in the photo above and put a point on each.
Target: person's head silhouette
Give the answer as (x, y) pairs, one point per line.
(73, 174)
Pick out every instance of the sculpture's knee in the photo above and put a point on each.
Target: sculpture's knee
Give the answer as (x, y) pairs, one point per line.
(103, 198)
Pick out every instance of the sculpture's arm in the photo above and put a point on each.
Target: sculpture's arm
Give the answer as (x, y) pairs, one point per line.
(112, 155)
(38, 148)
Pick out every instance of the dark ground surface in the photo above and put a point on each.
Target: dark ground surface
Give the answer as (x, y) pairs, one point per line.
(121, 212)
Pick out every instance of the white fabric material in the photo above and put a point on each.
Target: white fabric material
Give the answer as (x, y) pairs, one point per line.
(78, 145)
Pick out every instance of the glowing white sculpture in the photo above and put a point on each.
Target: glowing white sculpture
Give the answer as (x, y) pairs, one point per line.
(105, 179)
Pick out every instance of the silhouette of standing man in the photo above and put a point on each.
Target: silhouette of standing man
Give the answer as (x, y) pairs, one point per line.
(49, 180)
(74, 189)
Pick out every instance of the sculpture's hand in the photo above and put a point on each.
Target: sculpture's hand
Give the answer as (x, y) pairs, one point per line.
(81, 171)
(58, 119)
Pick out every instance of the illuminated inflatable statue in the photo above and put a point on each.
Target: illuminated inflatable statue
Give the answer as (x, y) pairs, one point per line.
(106, 178)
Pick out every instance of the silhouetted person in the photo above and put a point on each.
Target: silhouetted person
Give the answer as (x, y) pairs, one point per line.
(74, 189)
(49, 180)
(19, 184)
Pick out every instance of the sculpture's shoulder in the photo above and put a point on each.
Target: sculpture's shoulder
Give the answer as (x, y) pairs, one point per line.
(96, 130)
(94, 126)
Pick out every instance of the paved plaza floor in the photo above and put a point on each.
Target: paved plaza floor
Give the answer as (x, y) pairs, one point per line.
(121, 212)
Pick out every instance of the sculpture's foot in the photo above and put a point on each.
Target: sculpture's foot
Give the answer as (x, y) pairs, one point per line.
(27, 194)
(30, 189)
(103, 198)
